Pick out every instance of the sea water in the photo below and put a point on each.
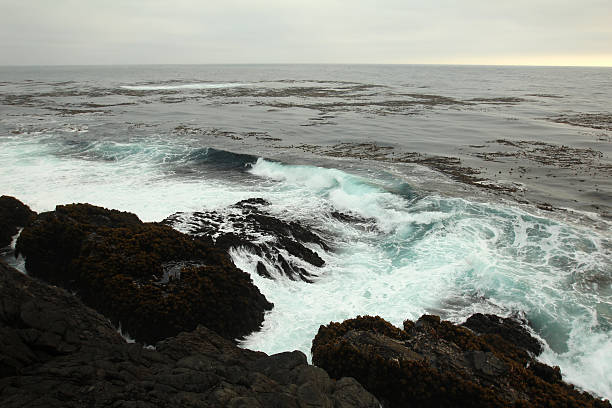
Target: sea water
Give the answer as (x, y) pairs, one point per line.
(157, 140)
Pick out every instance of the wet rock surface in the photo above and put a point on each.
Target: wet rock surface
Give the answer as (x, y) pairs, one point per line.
(13, 215)
(56, 352)
(149, 279)
(507, 328)
(433, 363)
(279, 244)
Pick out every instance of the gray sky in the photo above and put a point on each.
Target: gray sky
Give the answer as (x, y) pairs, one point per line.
(533, 32)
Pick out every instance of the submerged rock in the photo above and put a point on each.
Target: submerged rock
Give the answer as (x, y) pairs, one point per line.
(278, 244)
(13, 215)
(433, 363)
(151, 280)
(56, 352)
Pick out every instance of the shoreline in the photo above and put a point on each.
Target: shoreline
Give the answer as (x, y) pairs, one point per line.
(101, 220)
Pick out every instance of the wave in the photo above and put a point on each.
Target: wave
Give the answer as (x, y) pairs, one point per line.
(447, 256)
(149, 150)
(145, 177)
(341, 191)
(170, 87)
(221, 159)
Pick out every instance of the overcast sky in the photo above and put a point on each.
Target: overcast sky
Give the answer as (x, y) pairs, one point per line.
(532, 32)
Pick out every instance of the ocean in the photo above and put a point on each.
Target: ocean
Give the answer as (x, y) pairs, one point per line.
(462, 189)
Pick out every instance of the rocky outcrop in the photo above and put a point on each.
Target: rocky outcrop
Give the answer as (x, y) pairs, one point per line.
(433, 363)
(13, 215)
(56, 352)
(506, 328)
(152, 280)
(279, 244)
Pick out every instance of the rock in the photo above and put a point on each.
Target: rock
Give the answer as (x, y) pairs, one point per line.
(366, 224)
(433, 363)
(507, 328)
(546, 372)
(193, 369)
(13, 215)
(151, 280)
(40, 323)
(276, 242)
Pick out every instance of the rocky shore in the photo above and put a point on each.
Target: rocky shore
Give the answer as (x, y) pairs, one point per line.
(57, 352)
(182, 295)
(149, 279)
(486, 362)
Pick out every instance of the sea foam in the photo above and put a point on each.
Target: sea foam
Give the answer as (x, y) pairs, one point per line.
(171, 87)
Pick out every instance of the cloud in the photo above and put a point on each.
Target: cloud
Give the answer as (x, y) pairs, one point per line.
(237, 31)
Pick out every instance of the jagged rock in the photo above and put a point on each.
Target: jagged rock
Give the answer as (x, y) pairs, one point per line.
(245, 224)
(87, 363)
(152, 280)
(433, 363)
(507, 328)
(13, 215)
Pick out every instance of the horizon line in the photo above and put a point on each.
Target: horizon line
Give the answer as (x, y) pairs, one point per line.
(306, 63)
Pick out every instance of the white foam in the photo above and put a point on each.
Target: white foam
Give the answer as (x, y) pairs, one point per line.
(126, 336)
(201, 85)
(7, 254)
(34, 172)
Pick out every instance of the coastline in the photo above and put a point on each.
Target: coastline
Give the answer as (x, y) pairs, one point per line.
(186, 367)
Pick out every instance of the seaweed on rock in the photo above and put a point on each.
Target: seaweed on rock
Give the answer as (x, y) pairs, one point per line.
(151, 279)
(433, 363)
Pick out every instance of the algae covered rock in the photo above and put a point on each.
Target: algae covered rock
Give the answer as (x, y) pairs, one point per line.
(152, 280)
(433, 363)
(13, 215)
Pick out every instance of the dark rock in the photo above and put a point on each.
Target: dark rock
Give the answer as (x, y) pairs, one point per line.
(250, 202)
(39, 323)
(193, 369)
(152, 280)
(13, 215)
(351, 218)
(507, 328)
(262, 270)
(433, 363)
(546, 372)
(246, 225)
